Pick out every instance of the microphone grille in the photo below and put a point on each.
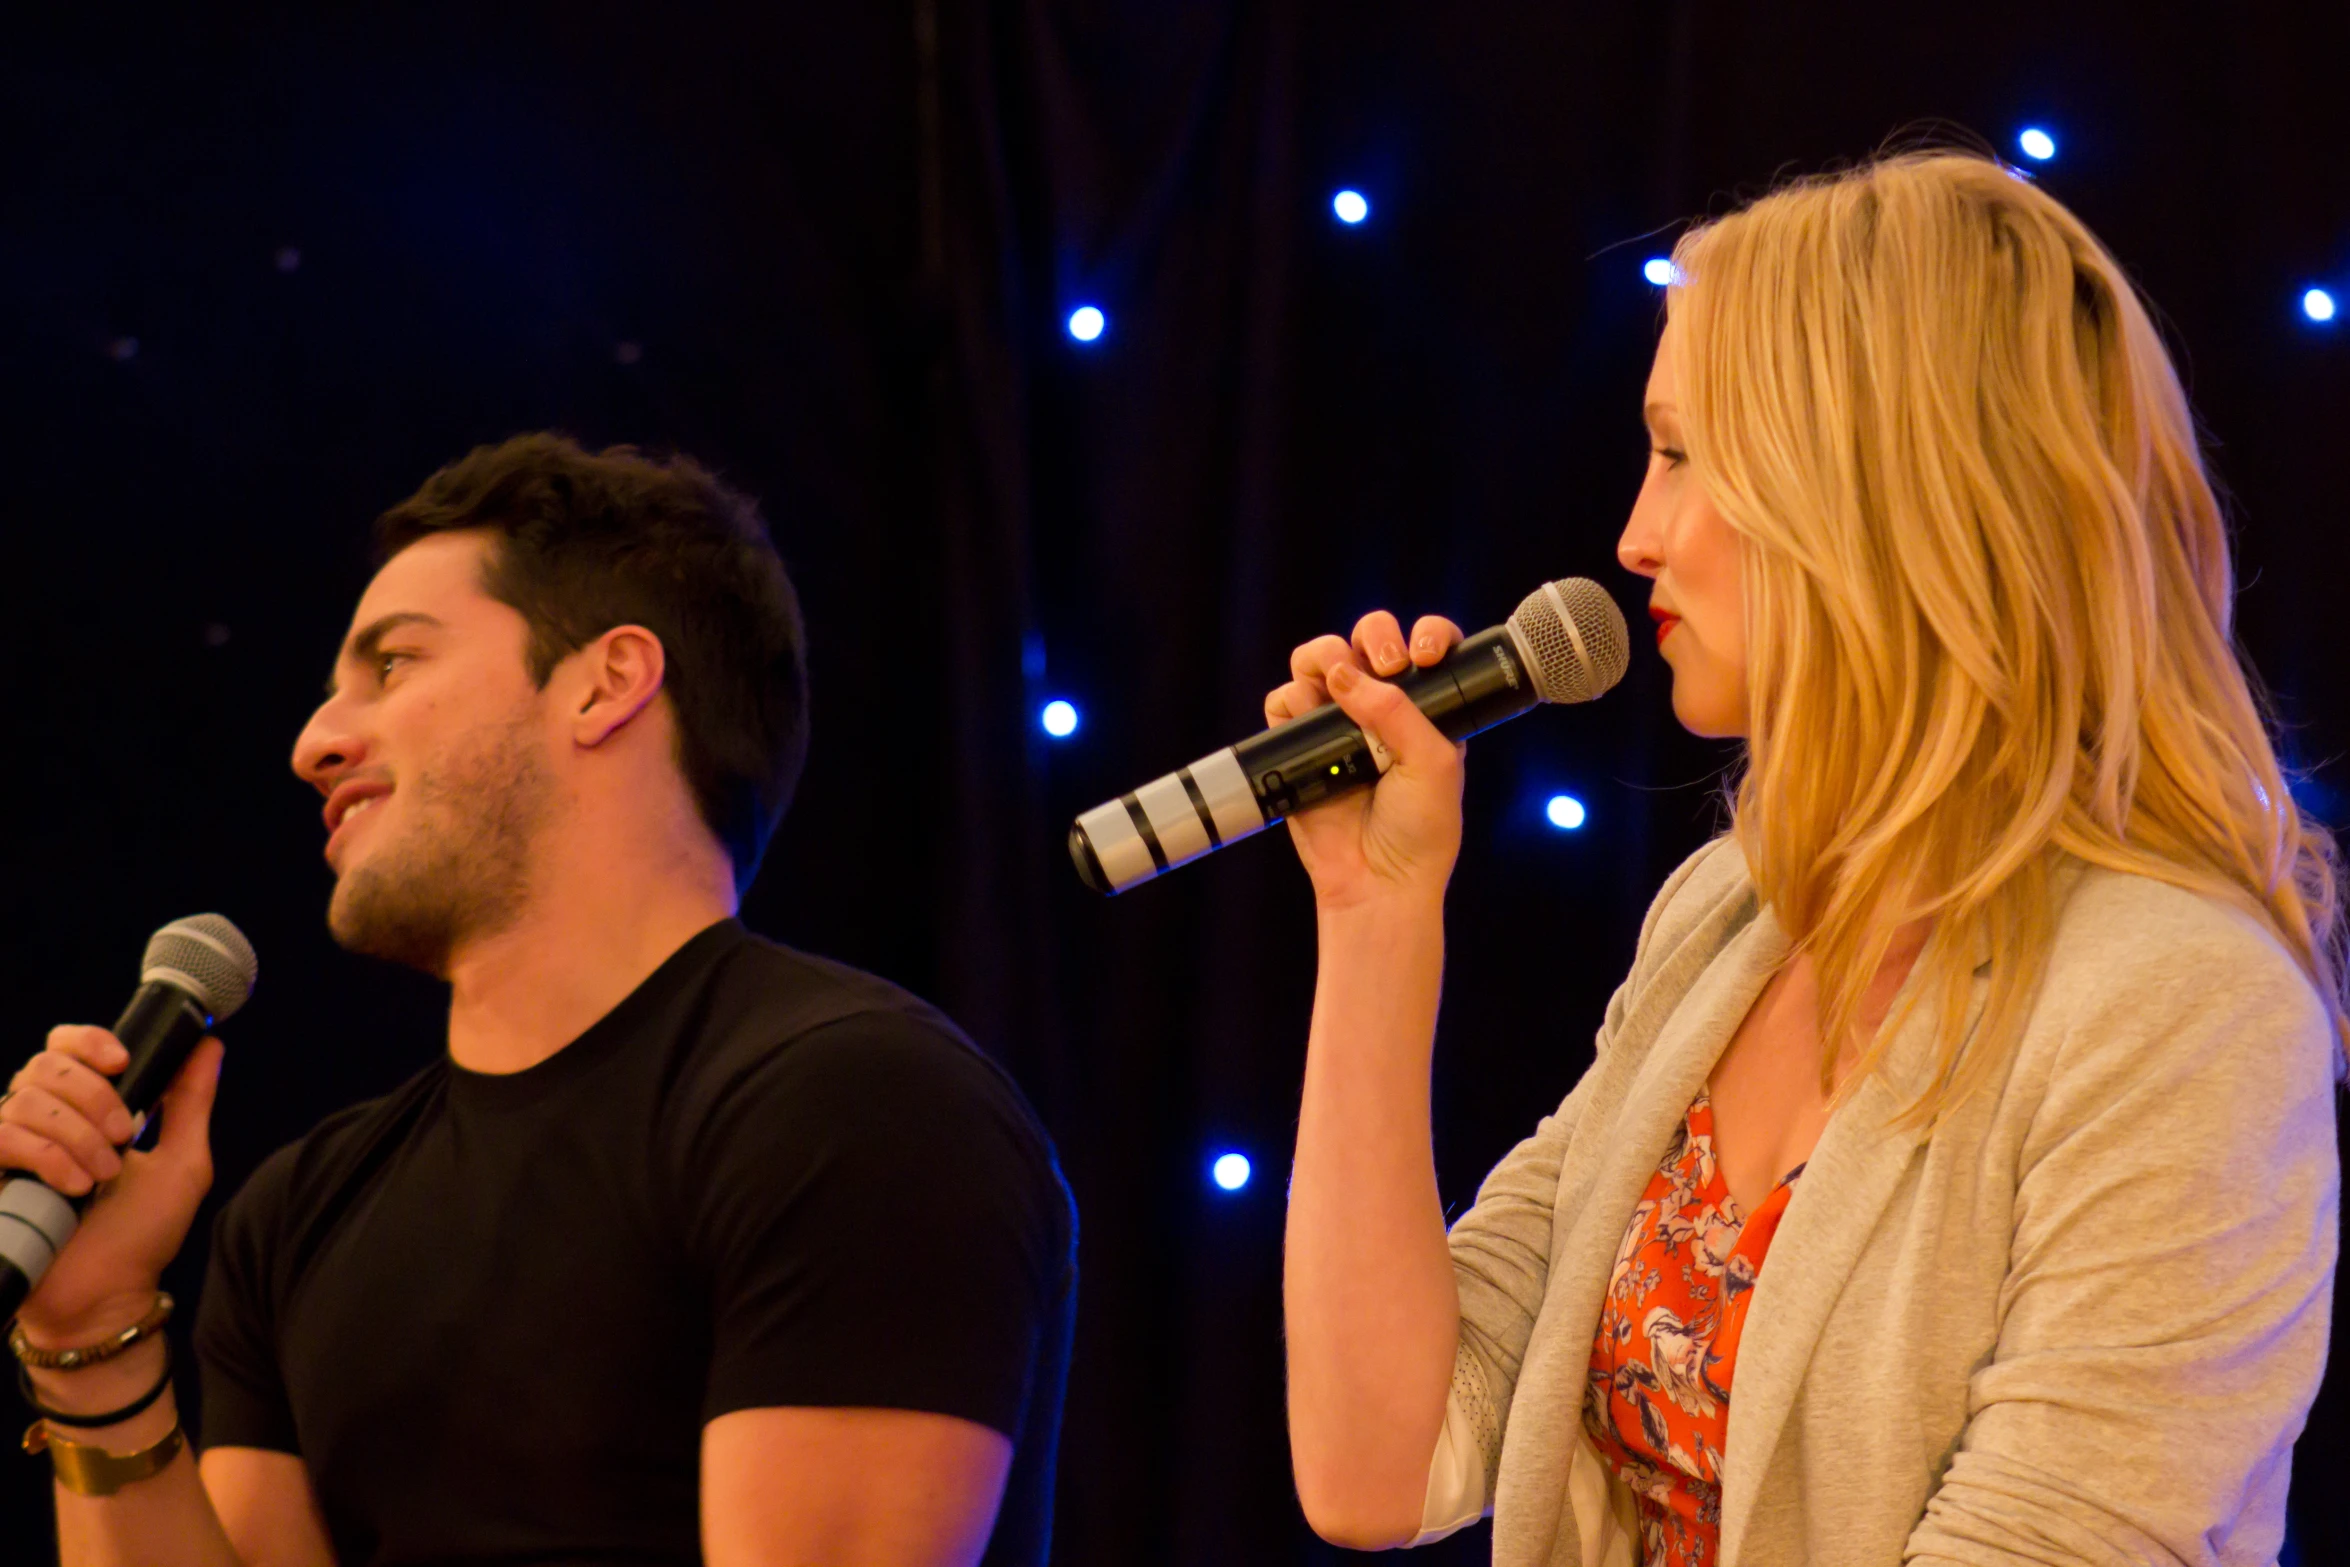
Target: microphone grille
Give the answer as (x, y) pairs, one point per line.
(1574, 636)
(206, 956)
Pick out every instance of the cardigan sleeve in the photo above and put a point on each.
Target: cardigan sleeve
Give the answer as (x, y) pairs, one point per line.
(1501, 1266)
(2163, 1324)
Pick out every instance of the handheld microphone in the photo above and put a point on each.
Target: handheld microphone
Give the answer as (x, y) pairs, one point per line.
(1565, 643)
(197, 971)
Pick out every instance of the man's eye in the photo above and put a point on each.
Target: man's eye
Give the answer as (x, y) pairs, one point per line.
(384, 663)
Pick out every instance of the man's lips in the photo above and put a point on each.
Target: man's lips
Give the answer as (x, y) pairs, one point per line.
(347, 798)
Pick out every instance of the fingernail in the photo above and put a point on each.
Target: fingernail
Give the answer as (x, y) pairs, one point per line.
(1424, 643)
(118, 1126)
(1343, 677)
(1391, 655)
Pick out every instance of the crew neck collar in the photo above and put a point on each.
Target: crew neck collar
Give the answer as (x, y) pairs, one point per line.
(606, 1034)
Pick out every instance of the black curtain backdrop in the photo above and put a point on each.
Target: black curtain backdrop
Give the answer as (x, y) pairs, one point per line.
(263, 269)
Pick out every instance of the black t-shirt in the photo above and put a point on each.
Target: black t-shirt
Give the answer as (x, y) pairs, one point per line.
(493, 1313)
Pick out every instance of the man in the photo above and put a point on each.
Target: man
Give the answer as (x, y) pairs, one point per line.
(693, 1247)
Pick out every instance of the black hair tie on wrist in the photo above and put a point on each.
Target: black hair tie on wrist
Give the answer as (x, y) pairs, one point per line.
(145, 1401)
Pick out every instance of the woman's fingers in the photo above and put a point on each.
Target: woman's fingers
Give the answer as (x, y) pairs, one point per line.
(1433, 636)
(1310, 664)
(1312, 661)
(1377, 644)
(1384, 713)
(1292, 700)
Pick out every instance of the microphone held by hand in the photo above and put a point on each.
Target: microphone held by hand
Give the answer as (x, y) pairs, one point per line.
(1565, 643)
(197, 971)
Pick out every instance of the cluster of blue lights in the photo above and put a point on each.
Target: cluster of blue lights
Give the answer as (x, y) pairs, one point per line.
(1351, 207)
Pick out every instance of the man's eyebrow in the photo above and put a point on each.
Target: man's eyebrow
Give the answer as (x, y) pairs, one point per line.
(367, 639)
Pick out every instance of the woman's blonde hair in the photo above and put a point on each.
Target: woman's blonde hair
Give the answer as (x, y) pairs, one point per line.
(1987, 592)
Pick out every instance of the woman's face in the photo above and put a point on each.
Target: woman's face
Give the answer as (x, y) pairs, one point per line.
(1678, 541)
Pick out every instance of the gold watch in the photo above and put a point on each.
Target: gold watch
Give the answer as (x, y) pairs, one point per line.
(87, 1469)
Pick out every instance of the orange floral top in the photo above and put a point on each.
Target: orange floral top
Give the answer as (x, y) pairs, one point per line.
(1668, 1341)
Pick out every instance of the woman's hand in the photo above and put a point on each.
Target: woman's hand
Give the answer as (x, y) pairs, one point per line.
(1399, 839)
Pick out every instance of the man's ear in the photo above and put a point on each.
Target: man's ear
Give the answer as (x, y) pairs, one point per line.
(616, 678)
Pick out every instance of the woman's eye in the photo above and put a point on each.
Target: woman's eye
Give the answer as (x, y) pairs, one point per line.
(1673, 457)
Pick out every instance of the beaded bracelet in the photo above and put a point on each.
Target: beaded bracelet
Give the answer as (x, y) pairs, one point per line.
(89, 1354)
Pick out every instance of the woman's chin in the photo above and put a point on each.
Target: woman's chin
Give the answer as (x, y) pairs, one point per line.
(1708, 720)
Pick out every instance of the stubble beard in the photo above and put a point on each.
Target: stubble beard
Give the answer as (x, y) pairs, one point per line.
(462, 870)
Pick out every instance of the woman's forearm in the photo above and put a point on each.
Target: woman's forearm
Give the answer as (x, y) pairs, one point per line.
(1373, 1316)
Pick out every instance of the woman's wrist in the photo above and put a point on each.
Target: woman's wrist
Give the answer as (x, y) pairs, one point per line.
(1400, 909)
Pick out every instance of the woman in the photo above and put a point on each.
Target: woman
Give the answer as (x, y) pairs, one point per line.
(1956, 1179)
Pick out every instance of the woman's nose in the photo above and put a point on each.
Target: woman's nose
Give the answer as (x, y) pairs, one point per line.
(1634, 552)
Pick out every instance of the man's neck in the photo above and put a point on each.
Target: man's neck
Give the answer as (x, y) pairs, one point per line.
(585, 942)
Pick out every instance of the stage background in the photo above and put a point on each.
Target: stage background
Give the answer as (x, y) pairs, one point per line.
(262, 270)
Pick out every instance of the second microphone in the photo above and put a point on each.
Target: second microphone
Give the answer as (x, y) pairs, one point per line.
(1565, 643)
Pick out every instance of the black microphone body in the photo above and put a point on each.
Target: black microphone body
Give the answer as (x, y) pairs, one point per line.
(160, 1028)
(1324, 753)
(1566, 643)
(168, 1017)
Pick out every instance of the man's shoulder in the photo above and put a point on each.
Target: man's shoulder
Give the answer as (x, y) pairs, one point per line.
(785, 993)
(787, 1032)
(765, 1002)
(312, 1177)
(819, 1087)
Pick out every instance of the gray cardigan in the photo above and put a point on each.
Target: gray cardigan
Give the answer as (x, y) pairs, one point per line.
(2082, 1322)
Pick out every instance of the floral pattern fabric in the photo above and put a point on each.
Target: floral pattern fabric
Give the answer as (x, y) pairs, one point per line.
(1659, 1401)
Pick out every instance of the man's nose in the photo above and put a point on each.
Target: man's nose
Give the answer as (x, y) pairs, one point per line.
(326, 748)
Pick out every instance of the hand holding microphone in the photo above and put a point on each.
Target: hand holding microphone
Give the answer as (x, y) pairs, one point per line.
(1565, 643)
(1402, 835)
(74, 1105)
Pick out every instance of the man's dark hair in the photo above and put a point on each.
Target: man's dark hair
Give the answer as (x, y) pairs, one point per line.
(584, 541)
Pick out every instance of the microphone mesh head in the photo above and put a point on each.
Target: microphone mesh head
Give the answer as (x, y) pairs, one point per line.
(1574, 636)
(207, 957)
